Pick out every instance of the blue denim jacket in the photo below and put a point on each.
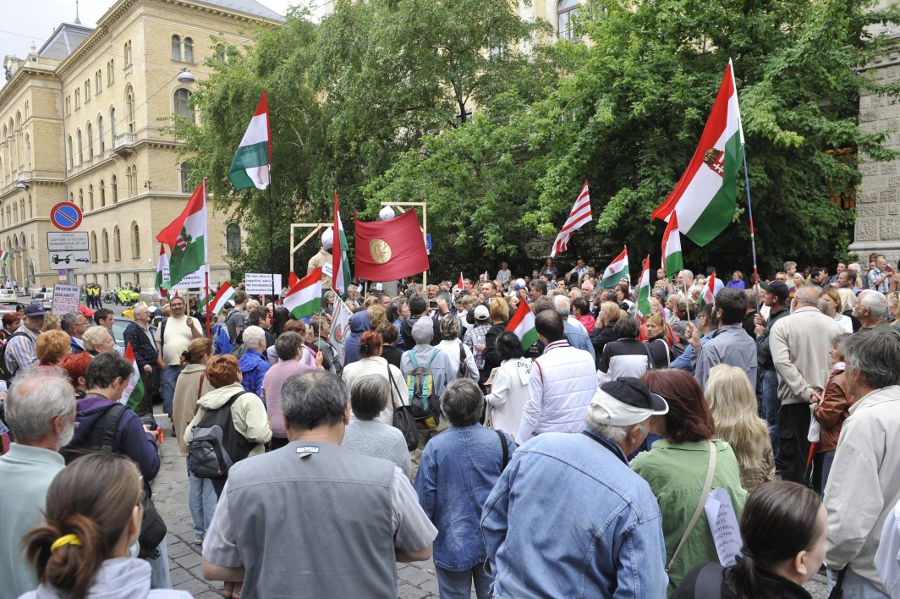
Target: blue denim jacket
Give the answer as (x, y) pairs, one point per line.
(457, 471)
(568, 519)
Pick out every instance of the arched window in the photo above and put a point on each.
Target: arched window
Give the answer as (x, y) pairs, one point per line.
(134, 182)
(22, 212)
(128, 181)
(79, 145)
(188, 50)
(127, 53)
(185, 177)
(117, 244)
(565, 11)
(87, 91)
(93, 246)
(77, 98)
(90, 140)
(71, 154)
(176, 47)
(90, 198)
(104, 237)
(129, 110)
(135, 240)
(233, 239)
(102, 195)
(27, 111)
(15, 212)
(182, 105)
(110, 72)
(28, 150)
(115, 191)
(112, 124)
(68, 105)
(30, 211)
(98, 81)
(100, 134)
(81, 199)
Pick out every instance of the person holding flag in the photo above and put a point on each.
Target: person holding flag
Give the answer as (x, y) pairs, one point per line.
(139, 338)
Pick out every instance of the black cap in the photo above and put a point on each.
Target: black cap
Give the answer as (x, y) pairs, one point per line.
(777, 288)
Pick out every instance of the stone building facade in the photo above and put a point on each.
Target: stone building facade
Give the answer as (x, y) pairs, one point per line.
(83, 119)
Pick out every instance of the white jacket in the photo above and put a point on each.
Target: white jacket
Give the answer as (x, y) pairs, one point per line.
(451, 348)
(562, 384)
(509, 394)
(378, 366)
(864, 483)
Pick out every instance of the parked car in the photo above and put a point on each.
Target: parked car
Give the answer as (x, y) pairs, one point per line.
(8, 296)
(46, 300)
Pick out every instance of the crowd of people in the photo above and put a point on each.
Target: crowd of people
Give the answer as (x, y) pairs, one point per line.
(433, 430)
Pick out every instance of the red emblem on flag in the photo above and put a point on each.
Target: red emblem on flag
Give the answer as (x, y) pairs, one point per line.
(715, 159)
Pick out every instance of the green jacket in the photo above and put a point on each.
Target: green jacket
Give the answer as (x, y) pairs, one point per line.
(676, 474)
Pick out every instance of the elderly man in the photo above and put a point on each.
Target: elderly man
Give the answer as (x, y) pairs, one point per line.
(730, 344)
(864, 483)
(139, 335)
(879, 277)
(74, 324)
(799, 345)
(20, 352)
(561, 385)
(360, 514)
(776, 297)
(790, 268)
(872, 309)
(40, 411)
(614, 549)
(575, 332)
(173, 337)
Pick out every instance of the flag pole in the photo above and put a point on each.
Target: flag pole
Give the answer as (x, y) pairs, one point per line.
(271, 240)
(752, 233)
(206, 260)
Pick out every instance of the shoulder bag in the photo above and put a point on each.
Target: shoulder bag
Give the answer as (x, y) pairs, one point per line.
(403, 419)
(704, 495)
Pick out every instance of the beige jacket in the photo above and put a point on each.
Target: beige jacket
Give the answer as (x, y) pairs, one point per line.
(799, 344)
(247, 412)
(864, 483)
(191, 386)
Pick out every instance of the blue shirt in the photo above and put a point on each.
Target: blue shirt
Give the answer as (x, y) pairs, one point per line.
(579, 339)
(684, 360)
(569, 518)
(457, 472)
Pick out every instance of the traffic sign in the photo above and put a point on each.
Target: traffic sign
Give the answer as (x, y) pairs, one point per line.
(66, 242)
(62, 272)
(73, 259)
(65, 216)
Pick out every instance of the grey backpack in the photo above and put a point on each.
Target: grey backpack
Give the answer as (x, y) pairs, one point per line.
(216, 445)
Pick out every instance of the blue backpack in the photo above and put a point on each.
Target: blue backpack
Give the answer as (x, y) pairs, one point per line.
(221, 341)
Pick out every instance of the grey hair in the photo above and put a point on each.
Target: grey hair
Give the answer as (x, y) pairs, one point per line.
(789, 265)
(94, 336)
(462, 402)
(593, 417)
(561, 305)
(68, 320)
(287, 345)
(369, 396)
(314, 398)
(876, 355)
(807, 295)
(875, 302)
(449, 327)
(329, 295)
(253, 335)
(37, 396)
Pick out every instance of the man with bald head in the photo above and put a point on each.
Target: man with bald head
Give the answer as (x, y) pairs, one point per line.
(799, 344)
(139, 335)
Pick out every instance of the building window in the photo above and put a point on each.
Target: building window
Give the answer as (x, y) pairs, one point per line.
(117, 244)
(112, 124)
(68, 105)
(115, 191)
(134, 180)
(128, 180)
(90, 198)
(80, 147)
(185, 177)
(27, 111)
(127, 53)
(98, 81)
(71, 154)
(32, 242)
(77, 98)
(102, 195)
(566, 11)
(188, 50)
(129, 110)
(81, 199)
(87, 91)
(233, 239)
(22, 211)
(104, 236)
(182, 105)
(110, 72)
(100, 134)
(176, 47)
(90, 140)
(135, 240)
(15, 212)
(30, 211)
(93, 247)
(28, 150)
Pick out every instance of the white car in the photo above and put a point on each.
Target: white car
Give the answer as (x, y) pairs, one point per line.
(8, 296)
(46, 300)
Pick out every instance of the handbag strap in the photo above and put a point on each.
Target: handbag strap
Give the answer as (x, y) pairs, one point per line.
(650, 364)
(707, 487)
(394, 385)
(505, 449)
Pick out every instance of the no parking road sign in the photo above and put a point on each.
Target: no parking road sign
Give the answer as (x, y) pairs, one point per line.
(66, 216)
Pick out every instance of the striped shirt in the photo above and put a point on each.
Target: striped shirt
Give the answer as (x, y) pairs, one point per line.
(20, 353)
(413, 531)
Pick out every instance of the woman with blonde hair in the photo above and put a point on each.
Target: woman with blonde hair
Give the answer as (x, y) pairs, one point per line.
(733, 405)
(603, 332)
(835, 306)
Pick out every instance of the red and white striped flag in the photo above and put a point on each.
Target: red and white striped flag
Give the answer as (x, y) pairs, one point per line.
(580, 214)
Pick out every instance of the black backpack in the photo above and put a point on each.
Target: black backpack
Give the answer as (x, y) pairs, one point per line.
(4, 371)
(217, 446)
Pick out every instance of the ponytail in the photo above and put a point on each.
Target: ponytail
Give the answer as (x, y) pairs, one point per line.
(72, 565)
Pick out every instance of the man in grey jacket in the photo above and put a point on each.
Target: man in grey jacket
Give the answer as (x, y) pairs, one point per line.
(730, 344)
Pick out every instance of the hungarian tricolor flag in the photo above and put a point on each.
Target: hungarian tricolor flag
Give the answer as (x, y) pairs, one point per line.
(186, 237)
(522, 324)
(250, 166)
(616, 271)
(643, 304)
(705, 197)
(225, 293)
(4, 256)
(292, 279)
(709, 291)
(134, 397)
(340, 265)
(390, 249)
(671, 248)
(162, 275)
(305, 297)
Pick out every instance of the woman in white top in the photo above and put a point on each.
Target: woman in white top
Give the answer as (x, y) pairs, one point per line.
(832, 304)
(509, 390)
(371, 363)
(452, 346)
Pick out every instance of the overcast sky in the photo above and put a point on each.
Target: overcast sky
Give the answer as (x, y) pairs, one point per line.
(35, 20)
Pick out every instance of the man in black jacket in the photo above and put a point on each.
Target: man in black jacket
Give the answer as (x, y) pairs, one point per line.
(418, 307)
(776, 299)
(140, 337)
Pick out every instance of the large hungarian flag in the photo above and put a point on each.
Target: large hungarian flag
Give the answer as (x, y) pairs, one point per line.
(305, 298)
(162, 274)
(673, 261)
(250, 166)
(705, 197)
(522, 324)
(186, 237)
(643, 304)
(616, 271)
(709, 291)
(136, 394)
(390, 249)
(339, 262)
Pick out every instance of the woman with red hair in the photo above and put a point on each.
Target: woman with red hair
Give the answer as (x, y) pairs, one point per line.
(676, 469)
